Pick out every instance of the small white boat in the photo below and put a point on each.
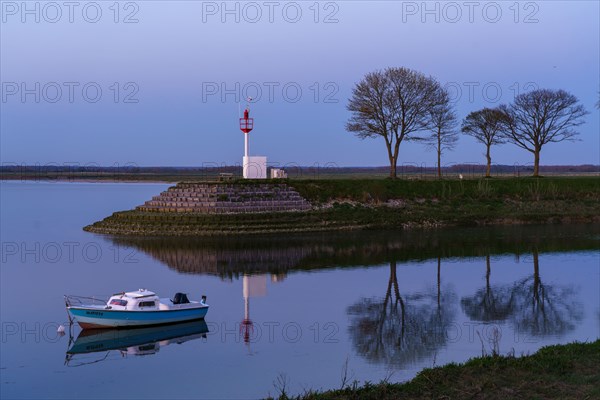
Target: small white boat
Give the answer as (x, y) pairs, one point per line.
(139, 308)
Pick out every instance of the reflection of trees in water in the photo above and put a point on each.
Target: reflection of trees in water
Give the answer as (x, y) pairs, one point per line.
(489, 304)
(278, 254)
(533, 307)
(542, 309)
(401, 329)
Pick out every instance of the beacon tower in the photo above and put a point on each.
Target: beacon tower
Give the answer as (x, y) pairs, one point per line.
(255, 167)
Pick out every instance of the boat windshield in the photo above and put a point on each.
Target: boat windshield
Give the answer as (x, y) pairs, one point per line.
(118, 302)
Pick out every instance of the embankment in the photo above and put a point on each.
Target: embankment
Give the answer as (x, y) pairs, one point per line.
(242, 207)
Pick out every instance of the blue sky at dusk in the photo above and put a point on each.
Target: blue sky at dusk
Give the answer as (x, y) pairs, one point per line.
(171, 76)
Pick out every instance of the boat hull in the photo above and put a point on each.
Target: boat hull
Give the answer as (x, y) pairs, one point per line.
(95, 318)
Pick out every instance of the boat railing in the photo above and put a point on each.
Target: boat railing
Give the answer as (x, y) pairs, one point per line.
(71, 300)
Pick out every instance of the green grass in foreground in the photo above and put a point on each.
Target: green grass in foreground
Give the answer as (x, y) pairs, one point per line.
(556, 372)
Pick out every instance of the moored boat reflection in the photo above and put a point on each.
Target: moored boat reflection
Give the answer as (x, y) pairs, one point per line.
(131, 341)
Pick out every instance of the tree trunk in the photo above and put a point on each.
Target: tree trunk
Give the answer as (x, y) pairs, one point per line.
(392, 157)
(439, 154)
(536, 278)
(489, 162)
(488, 272)
(393, 168)
(536, 163)
(388, 292)
(439, 282)
(394, 278)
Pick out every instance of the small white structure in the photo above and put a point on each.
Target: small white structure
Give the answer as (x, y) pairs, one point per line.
(254, 167)
(277, 173)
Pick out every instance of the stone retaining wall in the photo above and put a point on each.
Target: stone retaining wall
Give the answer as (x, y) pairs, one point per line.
(226, 198)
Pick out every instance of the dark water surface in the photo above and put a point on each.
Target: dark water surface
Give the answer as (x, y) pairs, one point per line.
(291, 308)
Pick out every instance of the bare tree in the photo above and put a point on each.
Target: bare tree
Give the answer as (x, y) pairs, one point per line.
(540, 117)
(443, 123)
(486, 126)
(394, 104)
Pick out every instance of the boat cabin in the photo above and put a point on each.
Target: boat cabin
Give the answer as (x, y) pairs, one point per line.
(141, 300)
(145, 300)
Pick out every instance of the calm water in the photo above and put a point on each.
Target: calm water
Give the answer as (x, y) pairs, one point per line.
(293, 309)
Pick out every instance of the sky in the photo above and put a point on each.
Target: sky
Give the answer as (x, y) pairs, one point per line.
(161, 83)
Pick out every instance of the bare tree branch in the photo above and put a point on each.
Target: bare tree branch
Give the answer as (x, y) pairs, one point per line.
(394, 104)
(543, 116)
(443, 123)
(487, 126)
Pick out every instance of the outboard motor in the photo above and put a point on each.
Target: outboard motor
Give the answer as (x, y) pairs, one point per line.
(180, 298)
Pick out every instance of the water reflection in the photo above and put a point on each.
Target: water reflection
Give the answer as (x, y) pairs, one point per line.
(400, 329)
(543, 309)
(534, 308)
(491, 303)
(234, 257)
(252, 286)
(100, 343)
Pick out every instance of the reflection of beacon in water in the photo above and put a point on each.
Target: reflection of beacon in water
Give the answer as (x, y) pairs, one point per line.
(254, 286)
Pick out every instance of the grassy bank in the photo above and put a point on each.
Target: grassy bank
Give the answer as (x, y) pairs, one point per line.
(374, 191)
(555, 372)
(376, 204)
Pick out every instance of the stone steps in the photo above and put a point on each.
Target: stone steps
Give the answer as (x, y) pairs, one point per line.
(286, 204)
(229, 198)
(220, 198)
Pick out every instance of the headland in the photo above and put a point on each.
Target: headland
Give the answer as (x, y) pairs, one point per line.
(242, 207)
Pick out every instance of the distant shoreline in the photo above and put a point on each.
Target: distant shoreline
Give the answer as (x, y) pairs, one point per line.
(107, 180)
(180, 178)
(132, 174)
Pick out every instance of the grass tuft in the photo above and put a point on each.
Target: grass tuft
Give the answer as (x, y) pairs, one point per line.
(555, 372)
